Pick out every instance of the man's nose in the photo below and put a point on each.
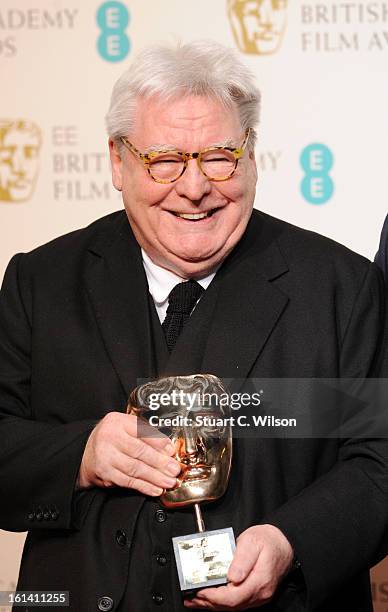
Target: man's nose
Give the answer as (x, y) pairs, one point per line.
(193, 184)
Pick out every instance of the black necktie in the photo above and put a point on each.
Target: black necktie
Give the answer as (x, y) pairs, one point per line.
(181, 302)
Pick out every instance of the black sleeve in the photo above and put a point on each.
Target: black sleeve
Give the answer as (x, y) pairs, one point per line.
(39, 461)
(338, 525)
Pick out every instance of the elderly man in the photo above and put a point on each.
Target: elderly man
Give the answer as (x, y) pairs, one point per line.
(86, 316)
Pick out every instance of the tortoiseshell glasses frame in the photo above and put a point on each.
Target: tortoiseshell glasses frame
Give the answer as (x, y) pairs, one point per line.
(182, 158)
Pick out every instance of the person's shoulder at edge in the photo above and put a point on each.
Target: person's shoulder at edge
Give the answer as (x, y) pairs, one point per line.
(61, 251)
(306, 248)
(106, 226)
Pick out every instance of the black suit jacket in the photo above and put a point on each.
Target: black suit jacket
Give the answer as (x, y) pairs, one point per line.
(75, 337)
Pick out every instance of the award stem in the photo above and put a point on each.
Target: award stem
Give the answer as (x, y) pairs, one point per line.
(199, 518)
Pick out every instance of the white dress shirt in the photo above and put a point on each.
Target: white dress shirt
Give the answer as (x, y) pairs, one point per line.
(162, 281)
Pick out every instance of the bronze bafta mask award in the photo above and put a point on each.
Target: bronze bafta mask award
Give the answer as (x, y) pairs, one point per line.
(194, 412)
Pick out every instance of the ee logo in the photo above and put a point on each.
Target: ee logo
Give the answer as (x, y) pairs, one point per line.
(317, 185)
(113, 44)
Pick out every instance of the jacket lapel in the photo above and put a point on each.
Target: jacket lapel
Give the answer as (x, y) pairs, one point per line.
(245, 315)
(118, 291)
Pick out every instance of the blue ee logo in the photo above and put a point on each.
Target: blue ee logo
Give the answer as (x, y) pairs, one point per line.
(113, 44)
(317, 185)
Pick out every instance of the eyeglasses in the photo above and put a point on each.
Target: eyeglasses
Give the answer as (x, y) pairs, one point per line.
(216, 163)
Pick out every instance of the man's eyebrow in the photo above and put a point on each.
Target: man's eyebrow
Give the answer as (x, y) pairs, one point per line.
(160, 147)
(230, 143)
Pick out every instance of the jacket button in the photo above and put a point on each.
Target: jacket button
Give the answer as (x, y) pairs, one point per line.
(105, 604)
(160, 516)
(31, 516)
(296, 564)
(157, 598)
(121, 537)
(161, 559)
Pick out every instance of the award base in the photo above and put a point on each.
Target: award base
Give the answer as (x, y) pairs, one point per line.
(203, 559)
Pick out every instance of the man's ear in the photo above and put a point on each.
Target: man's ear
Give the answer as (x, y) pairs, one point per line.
(116, 165)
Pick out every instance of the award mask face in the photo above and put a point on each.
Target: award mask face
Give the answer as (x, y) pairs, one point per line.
(258, 25)
(20, 143)
(193, 412)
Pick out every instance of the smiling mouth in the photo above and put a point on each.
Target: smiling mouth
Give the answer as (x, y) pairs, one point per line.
(194, 216)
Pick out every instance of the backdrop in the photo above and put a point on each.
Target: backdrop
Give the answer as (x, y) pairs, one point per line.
(322, 151)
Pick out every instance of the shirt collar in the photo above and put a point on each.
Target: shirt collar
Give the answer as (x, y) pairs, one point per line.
(161, 281)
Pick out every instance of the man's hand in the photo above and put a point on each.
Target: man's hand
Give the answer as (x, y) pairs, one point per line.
(263, 556)
(115, 456)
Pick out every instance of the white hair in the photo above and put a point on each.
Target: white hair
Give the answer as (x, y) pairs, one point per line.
(202, 67)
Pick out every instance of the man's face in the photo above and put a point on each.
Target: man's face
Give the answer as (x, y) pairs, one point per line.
(190, 248)
(19, 157)
(258, 25)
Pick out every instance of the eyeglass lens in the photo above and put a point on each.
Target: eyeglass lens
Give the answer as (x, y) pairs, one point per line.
(215, 163)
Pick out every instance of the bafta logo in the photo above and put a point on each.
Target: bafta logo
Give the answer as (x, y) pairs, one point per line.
(20, 143)
(258, 25)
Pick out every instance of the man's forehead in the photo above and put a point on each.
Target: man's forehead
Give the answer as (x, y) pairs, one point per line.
(182, 121)
(182, 110)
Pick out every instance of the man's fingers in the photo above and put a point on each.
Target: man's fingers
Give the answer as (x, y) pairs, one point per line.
(140, 429)
(244, 559)
(195, 604)
(112, 444)
(255, 590)
(138, 449)
(162, 444)
(136, 427)
(120, 479)
(140, 470)
(228, 597)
